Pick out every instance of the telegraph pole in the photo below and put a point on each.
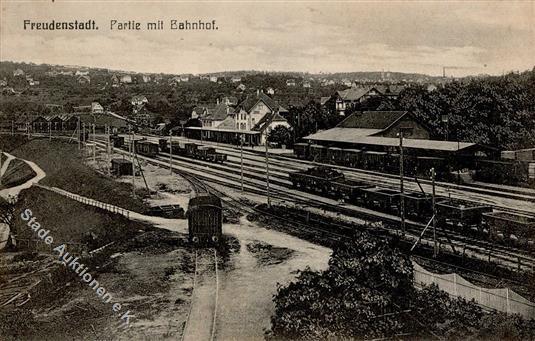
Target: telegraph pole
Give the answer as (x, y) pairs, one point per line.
(12, 128)
(94, 145)
(133, 164)
(401, 198)
(171, 152)
(241, 162)
(79, 135)
(435, 248)
(49, 131)
(267, 173)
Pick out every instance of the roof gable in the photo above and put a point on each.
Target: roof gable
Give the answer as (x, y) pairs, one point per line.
(372, 119)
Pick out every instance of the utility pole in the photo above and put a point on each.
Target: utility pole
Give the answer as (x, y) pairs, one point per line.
(241, 162)
(435, 248)
(401, 198)
(133, 164)
(94, 145)
(267, 174)
(1, 154)
(79, 135)
(170, 152)
(49, 131)
(12, 128)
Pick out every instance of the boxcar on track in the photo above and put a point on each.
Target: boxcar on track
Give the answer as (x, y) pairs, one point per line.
(205, 219)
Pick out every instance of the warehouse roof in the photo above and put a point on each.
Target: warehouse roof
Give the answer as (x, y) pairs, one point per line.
(372, 119)
(350, 135)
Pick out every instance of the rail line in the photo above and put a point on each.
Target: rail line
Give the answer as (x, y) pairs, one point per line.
(508, 257)
(201, 274)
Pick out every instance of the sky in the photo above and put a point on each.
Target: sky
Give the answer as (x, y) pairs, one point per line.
(470, 38)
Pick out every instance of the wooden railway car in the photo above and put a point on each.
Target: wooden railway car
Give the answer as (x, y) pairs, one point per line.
(315, 179)
(191, 149)
(318, 153)
(301, 150)
(461, 213)
(334, 155)
(209, 154)
(121, 167)
(374, 160)
(418, 205)
(146, 148)
(327, 181)
(117, 141)
(351, 157)
(205, 219)
(164, 145)
(385, 199)
(505, 225)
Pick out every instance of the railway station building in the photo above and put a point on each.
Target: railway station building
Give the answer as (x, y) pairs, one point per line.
(379, 131)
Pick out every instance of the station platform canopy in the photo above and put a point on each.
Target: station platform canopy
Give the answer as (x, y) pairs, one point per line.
(349, 136)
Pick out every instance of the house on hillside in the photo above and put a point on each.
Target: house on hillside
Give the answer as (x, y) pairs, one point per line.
(18, 73)
(3, 82)
(270, 91)
(228, 100)
(184, 78)
(214, 117)
(213, 79)
(259, 113)
(145, 78)
(84, 80)
(306, 84)
(290, 82)
(174, 81)
(241, 87)
(139, 101)
(144, 117)
(235, 79)
(81, 73)
(348, 98)
(126, 79)
(96, 108)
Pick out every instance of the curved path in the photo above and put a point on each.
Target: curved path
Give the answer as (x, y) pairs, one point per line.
(13, 192)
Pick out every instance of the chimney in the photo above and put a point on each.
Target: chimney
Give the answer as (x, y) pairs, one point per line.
(257, 92)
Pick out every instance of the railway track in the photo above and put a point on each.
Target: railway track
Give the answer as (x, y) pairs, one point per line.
(201, 321)
(509, 257)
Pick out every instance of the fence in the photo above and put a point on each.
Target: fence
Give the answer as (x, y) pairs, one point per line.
(505, 300)
(88, 201)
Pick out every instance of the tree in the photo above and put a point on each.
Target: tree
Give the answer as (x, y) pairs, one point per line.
(281, 135)
(365, 286)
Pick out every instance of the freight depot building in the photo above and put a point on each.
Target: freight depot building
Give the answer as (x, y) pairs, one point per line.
(379, 131)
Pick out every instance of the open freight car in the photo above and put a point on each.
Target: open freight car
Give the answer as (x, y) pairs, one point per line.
(460, 213)
(505, 225)
(205, 219)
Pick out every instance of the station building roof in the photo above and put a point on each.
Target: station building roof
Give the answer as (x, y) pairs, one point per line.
(353, 136)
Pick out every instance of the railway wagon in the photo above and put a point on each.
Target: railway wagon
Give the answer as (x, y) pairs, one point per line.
(318, 153)
(373, 160)
(461, 213)
(191, 149)
(316, 179)
(301, 150)
(505, 225)
(348, 190)
(351, 157)
(146, 148)
(117, 141)
(425, 163)
(205, 219)
(385, 199)
(164, 145)
(209, 154)
(418, 205)
(335, 155)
